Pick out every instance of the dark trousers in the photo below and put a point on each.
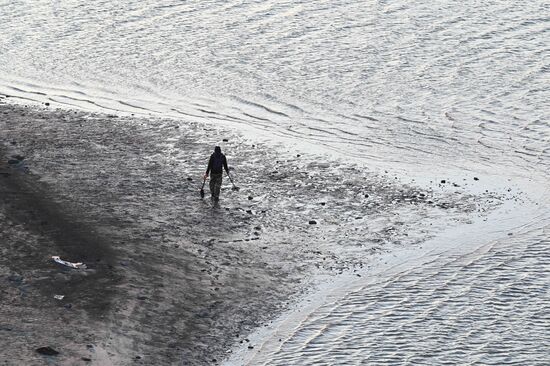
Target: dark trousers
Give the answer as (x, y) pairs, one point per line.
(215, 184)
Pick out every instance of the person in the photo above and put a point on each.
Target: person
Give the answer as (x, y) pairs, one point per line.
(216, 164)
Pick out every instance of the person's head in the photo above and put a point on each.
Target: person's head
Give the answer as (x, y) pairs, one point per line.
(218, 150)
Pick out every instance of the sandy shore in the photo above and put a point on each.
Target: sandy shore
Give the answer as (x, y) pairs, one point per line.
(171, 279)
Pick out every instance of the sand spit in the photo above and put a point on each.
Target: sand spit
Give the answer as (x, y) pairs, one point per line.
(171, 279)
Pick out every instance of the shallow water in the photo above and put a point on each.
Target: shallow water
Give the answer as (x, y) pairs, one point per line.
(474, 295)
(490, 308)
(460, 87)
(459, 84)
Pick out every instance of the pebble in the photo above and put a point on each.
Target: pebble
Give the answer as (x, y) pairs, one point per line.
(15, 278)
(49, 351)
(312, 222)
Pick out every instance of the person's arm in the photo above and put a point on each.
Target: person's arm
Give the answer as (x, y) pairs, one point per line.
(225, 165)
(208, 168)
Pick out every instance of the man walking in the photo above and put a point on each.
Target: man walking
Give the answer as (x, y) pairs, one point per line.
(216, 164)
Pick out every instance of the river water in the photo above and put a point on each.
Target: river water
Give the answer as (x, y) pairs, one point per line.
(416, 87)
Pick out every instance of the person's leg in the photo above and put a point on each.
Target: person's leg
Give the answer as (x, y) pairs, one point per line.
(215, 185)
(212, 185)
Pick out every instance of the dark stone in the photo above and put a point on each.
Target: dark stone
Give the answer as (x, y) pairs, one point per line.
(138, 357)
(443, 181)
(13, 161)
(250, 198)
(250, 347)
(15, 278)
(225, 140)
(366, 195)
(68, 306)
(47, 104)
(142, 297)
(312, 222)
(48, 351)
(189, 179)
(214, 360)
(476, 178)
(203, 314)
(249, 212)
(323, 203)
(298, 155)
(257, 228)
(90, 346)
(87, 359)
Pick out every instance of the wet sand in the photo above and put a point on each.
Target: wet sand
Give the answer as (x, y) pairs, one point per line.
(170, 278)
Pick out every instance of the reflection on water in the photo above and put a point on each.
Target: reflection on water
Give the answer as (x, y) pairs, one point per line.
(456, 83)
(486, 307)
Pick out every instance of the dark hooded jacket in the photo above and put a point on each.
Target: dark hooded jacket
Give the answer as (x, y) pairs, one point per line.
(217, 162)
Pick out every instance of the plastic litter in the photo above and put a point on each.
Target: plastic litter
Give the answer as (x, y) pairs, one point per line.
(78, 265)
(58, 297)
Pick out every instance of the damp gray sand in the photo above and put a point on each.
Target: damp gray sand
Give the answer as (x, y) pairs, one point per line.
(170, 278)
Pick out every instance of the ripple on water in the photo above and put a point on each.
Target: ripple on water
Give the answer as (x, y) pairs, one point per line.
(488, 307)
(426, 84)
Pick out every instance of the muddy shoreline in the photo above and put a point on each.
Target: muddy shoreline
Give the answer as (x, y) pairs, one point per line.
(172, 279)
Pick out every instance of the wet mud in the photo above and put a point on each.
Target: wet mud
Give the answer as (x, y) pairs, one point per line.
(172, 278)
